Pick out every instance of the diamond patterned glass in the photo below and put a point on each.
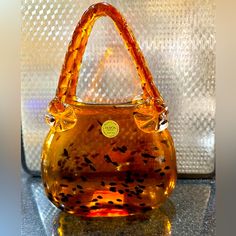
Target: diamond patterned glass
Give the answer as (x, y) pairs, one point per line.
(177, 38)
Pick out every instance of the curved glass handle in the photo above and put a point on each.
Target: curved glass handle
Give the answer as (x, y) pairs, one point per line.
(73, 59)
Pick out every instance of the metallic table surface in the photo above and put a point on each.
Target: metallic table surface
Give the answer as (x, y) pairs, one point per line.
(189, 211)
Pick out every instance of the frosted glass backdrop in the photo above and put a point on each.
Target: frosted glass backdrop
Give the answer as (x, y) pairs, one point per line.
(177, 38)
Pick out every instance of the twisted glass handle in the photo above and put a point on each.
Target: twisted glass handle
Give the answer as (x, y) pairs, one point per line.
(70, 71)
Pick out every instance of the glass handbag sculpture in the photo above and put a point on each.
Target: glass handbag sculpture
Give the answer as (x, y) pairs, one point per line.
(107, 159)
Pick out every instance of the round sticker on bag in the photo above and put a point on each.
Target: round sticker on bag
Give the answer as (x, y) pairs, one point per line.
(110, 129)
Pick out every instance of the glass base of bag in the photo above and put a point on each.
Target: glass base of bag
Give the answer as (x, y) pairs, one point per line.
(86, 172)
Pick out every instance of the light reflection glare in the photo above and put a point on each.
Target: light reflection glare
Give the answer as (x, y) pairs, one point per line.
(156, 222)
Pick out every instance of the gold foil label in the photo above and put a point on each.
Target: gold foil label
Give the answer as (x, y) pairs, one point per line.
(110, 129)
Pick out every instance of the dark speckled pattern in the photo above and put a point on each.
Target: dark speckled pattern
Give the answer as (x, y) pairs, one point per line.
(189, 211)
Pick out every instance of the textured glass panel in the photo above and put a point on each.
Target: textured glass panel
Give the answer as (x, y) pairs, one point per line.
(108, 74)
(177, 38)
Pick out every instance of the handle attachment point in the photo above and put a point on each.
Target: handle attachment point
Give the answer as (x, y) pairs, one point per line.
(61, 116)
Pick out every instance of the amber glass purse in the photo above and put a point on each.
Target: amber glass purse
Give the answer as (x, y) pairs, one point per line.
(107, 159)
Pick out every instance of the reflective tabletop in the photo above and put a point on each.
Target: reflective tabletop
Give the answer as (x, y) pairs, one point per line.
(189, 211)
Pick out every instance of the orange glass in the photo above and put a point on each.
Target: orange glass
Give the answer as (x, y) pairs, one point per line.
(86, 172)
